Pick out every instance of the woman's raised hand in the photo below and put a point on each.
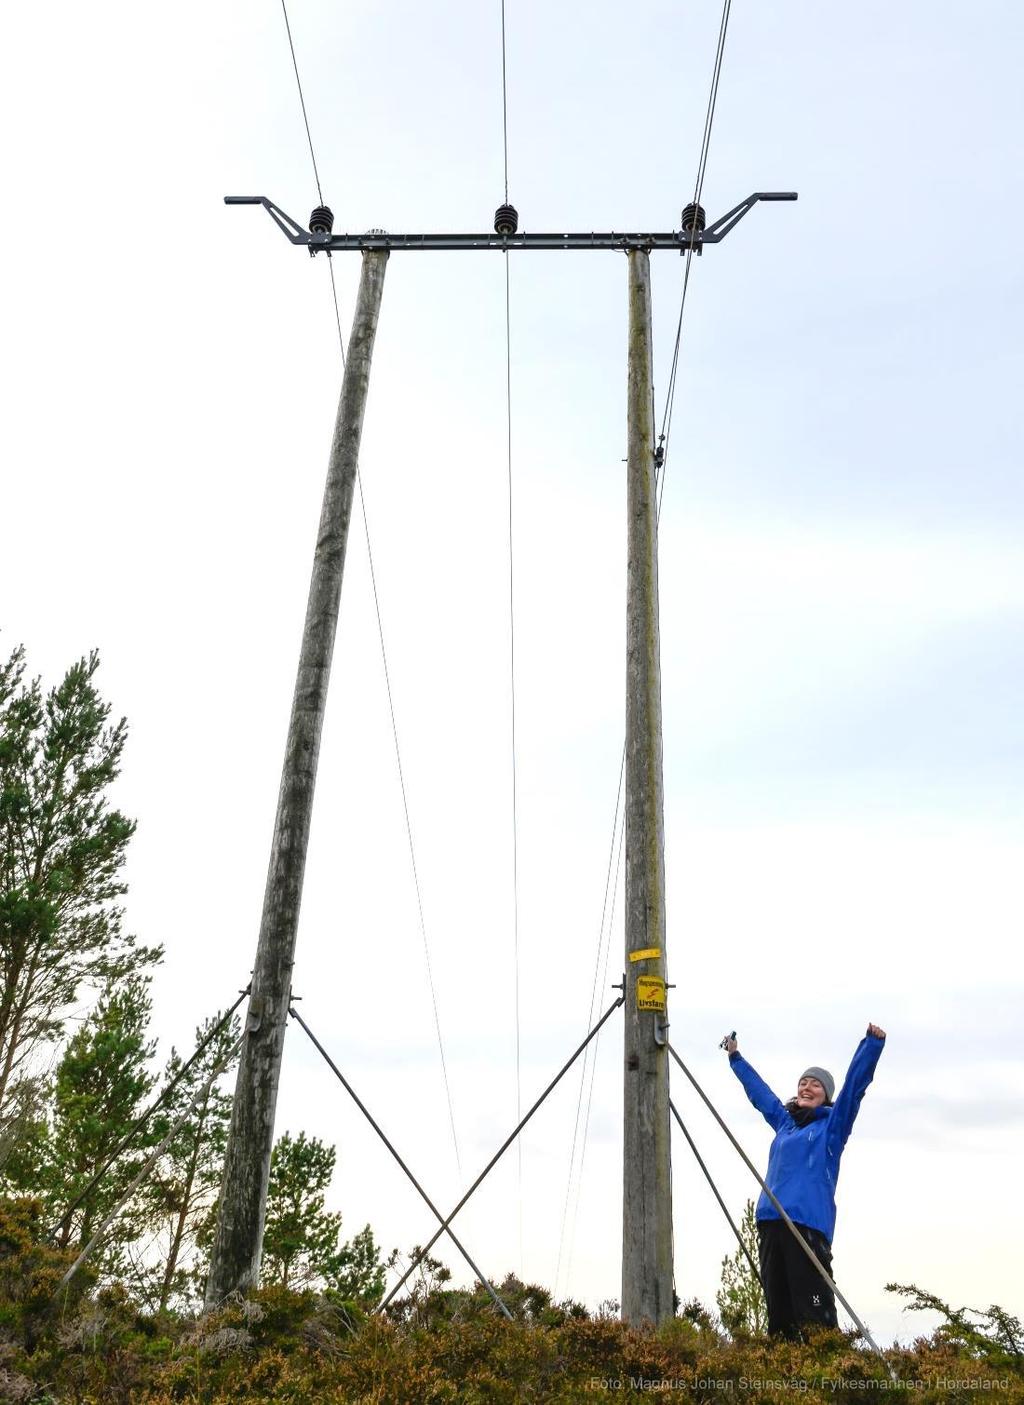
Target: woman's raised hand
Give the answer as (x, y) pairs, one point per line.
(876, 1031)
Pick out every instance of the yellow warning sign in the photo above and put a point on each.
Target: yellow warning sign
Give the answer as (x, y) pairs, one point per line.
(650, 993)
(649, 953)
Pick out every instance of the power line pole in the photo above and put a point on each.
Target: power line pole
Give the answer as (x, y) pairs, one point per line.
(647, 1279)
(238, 1242)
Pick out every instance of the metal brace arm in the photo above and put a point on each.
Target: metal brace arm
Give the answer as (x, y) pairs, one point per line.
(715, 233)
(295, 232)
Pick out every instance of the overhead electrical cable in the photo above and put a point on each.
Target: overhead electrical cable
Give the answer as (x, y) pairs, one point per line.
(605, 928)
(408, 826)
(504, 98)
(593, 1060)
(384, 658)
(512, 682)
(302, 100)
(698, 189)
(316, 172)
(512, 643)
(666, 430)
(337, 318)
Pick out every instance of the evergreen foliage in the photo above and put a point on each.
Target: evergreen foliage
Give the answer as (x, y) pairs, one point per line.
(181, 1193)
(61, 850)
(300, 1236)
(301, 1246)
(740, 1299)
(991, 1334)
(101, 1083)
(74, 1135)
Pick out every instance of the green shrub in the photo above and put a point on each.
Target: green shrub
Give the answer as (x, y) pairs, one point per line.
(31, 1298)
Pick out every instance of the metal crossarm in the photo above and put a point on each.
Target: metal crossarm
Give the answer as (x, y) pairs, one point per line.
(681, 240)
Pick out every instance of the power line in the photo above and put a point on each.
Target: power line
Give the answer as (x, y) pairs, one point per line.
(408, 828)
(512, 642)
(337, 316)
(504, 98)
(302, 100)
(698, 189)
(512, 675)
(425, 1248)
(384, 657)
(606, 920)
(593, 1061)
(394, 1152)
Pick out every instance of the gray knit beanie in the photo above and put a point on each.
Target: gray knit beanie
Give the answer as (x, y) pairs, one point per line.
(824, 1078)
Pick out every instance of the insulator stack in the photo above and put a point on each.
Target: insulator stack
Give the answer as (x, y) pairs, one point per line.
(506, 220)
(321, 221)
(694, 220)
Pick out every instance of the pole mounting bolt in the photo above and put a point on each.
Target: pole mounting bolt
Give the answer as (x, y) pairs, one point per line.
(506, 220)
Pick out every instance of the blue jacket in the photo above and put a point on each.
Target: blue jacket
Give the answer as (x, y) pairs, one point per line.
(803, 1163)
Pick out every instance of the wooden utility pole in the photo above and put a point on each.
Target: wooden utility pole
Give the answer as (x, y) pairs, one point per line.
(647, 1171)
(238, 1242)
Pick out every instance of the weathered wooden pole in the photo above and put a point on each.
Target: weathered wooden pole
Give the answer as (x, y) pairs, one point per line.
(238, 1242)
(647, 1173)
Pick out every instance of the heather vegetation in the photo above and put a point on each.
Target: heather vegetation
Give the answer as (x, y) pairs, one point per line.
(110, 1161)
(93, 1343)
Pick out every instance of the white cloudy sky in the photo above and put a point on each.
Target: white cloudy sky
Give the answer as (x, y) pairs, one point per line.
(842, 593)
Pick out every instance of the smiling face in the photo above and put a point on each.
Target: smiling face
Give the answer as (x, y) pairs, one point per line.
(809, 1092)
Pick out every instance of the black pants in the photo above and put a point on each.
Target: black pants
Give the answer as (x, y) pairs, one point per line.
(795, 1291)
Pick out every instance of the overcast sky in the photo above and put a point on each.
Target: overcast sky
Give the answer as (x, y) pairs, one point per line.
(842, 593)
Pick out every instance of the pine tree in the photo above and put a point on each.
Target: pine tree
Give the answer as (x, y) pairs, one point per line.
(100, 1086)
(24, 1135)
(358, 1272)
(182, 1190)
(301, 1236)
(61, 851)
(740, 1299)
(300, 1243)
